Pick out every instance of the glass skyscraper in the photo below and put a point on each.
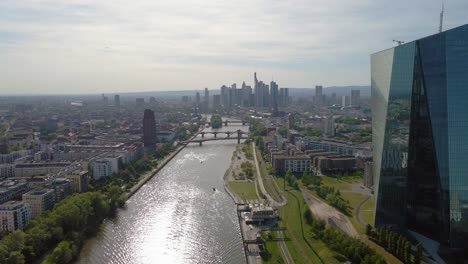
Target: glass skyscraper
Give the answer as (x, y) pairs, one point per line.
(420, 136)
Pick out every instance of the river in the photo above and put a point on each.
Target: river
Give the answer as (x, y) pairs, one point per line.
(176, 217)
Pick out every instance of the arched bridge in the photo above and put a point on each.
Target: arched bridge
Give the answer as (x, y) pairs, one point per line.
(227, 133)
(239, 134)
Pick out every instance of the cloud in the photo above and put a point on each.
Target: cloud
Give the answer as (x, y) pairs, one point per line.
(102, 46)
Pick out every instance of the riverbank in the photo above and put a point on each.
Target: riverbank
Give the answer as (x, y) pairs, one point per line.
(229, 180)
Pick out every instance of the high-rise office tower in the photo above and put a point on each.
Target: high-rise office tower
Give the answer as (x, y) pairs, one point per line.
(225, 96)
(246, 95)
(105, 100)
(216, 101)
(345, 100)
(117, 100)
(256, 92)
(318, 99)
(286, 97)
(140, 102)
(266, 95)
(197, 98)
(355, 97)
(281, 97)
(255, 83)
(260, 93)
(274, 96)
(420, 143)
(149, 128)
(207, 98)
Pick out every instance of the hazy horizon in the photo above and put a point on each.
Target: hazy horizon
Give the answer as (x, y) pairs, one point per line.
(215, 90)
(89, 47)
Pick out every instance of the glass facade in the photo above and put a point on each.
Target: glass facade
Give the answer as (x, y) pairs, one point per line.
(420, 136)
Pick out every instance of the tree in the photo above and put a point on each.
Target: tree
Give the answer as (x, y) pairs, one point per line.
(306, 179)
(283, 131)
(407, 252)
(216, 121)
(256, 128)
(116, 197)
(418, 255)
(62, 254)
(308, 216)
(368, 230)
(259, 142)
(11, 247)
(291, 179)
(15, 257)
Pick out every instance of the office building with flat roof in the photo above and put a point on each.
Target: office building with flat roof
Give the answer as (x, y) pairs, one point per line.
(14, 215)
(40, 201)
(149, 129)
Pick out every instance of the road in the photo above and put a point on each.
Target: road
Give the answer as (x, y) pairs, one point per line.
(358, 211)
(328, 213)
(284, 249)
(260, 183)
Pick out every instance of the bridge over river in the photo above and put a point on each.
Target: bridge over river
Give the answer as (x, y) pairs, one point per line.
(239, 135)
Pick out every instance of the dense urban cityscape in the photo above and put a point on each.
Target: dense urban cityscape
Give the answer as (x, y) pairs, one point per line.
(257, 171)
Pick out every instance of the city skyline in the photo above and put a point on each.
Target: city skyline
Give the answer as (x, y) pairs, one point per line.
(84, 47)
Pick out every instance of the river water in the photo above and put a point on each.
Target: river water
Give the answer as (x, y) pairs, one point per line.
(176, 217)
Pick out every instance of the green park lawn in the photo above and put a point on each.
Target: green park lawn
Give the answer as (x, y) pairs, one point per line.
(245, 190)
(367, 211)
(302, 247)
(341, 183)
(273, 248)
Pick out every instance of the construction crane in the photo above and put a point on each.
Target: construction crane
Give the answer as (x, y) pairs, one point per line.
(399, 42)
(441, 19)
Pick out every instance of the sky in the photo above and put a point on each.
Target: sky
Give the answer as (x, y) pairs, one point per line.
(107, 46)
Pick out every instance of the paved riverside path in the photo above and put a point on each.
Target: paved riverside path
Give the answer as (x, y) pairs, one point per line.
(358, 211)
(284, 249)
(262, 187)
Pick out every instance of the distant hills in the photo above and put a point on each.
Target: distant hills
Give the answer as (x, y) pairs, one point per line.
(339, 90)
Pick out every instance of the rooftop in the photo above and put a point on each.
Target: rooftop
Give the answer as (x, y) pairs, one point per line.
(11, 205)
(38, 192)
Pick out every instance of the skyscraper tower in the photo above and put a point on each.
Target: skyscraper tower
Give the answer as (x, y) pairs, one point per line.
(318, 90)
(207, 99)
(117, 100)
(419, 120)
(274, 97)
(197, 98)
(318, 99)
(149, 128)
(355, 97)
(256, 95)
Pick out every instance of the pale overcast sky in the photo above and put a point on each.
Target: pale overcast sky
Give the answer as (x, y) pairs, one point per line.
(94, 46)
